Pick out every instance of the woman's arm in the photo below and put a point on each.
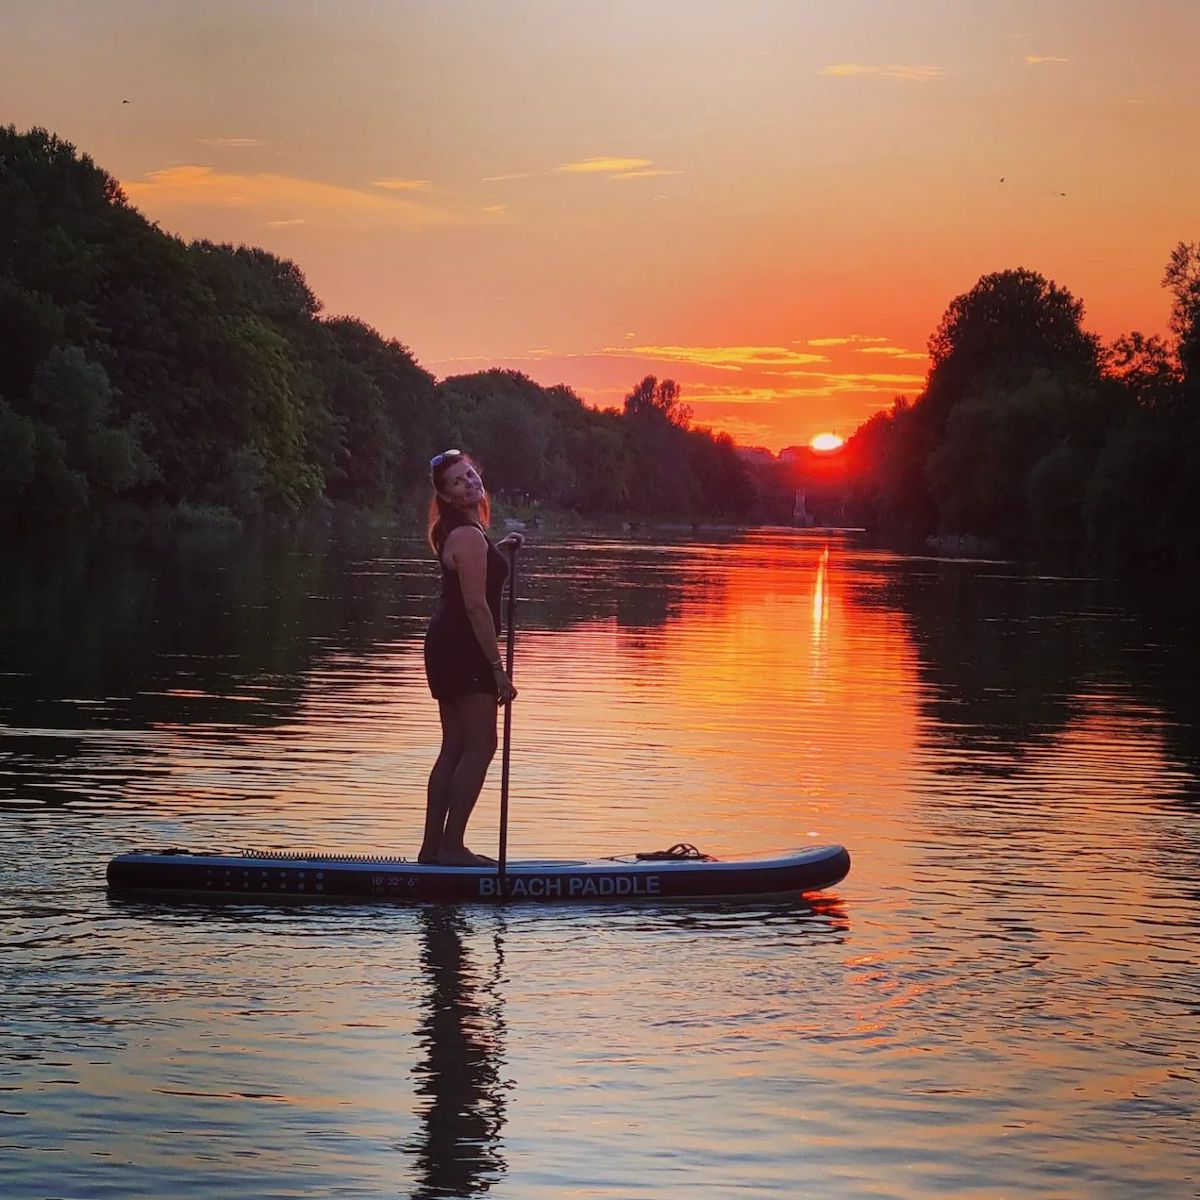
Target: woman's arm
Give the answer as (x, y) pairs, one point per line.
(466, 552)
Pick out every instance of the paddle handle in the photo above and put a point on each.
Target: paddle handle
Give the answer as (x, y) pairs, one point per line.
(506, 753)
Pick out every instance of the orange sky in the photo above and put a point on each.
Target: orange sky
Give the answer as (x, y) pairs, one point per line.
(771, 202)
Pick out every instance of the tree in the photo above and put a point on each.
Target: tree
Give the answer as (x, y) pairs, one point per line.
(31, 324)
(269, 421)
(661, 479)
(596, 448)
(725, 487)
(1182, 277)
(18, 452)
(1011, 328)
(512, 425)
(651, 398)
(1008, 324)
(247, 277)
(1144, 367)
(73, 396)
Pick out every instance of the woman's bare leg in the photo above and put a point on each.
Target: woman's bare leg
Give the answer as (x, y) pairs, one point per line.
(437, 797)
(475, 716)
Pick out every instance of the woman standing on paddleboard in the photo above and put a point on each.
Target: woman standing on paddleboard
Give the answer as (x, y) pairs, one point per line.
(462, 655)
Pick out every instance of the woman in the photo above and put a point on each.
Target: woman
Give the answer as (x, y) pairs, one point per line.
(462, 655)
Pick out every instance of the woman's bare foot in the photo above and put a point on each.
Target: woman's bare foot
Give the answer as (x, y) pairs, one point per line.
(462, 857)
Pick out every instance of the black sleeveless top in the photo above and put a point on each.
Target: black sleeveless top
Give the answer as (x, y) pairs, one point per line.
(454, 661)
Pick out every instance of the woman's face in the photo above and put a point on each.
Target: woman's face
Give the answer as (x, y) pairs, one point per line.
(461, 485)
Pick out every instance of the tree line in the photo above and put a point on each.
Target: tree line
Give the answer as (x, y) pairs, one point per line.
(1034, 436)
(141, 371)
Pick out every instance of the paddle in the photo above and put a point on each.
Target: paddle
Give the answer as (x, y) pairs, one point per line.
(505, 755)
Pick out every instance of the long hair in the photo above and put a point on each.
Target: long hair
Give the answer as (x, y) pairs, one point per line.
(440, 511)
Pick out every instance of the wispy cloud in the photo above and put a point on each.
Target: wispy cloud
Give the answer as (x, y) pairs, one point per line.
(643, 174)
(289, 221)
(613, 168)
(192, 185)
(603, 166)
(892, 352)
(722, 358)
(910, 73)
(1037, 60)
(402, 185)
(238, 142)
(858, 381)
(847, 339)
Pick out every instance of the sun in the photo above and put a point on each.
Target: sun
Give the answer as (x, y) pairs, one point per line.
(825, 442)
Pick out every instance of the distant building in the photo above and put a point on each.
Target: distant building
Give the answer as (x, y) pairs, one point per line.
(800, 514)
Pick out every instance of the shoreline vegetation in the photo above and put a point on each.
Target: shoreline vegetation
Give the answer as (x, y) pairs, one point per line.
(149, 382)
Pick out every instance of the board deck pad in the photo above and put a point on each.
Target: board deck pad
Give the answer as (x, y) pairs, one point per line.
(315, 875)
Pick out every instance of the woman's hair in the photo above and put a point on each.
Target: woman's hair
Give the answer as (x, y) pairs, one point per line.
(439, 510)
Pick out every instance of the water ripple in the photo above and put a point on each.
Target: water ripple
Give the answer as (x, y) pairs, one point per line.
(1000, 1000)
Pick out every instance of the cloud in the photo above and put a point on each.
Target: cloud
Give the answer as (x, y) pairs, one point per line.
(402, 185)
(1036, 60)
(855, 381)
(289, 221)
(613, 168)
(892, 352)
(643, 174)
(239, 142)
(603, 166)
(907, 72)
(846, 340)
(192, 185)
(721, 358)
(817, 385)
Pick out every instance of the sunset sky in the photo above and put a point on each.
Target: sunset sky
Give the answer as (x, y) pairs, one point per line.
(770, 201)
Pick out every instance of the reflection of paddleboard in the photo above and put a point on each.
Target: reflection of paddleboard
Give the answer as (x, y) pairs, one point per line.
(300, 875)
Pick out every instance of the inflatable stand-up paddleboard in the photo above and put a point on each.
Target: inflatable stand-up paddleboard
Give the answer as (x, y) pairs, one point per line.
(681, 873)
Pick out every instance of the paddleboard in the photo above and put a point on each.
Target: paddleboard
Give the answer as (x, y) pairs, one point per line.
(302, 875)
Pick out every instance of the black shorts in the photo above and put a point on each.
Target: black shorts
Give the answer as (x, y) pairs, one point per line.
(455, 665)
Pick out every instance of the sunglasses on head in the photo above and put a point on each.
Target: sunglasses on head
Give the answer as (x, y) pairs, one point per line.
(445, 457)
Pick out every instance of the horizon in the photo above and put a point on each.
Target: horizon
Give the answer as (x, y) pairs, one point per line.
(773, 208)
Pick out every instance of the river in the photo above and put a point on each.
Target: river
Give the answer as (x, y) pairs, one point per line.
(1000, 1000)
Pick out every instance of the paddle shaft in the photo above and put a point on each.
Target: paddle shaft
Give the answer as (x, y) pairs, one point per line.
(506, 753)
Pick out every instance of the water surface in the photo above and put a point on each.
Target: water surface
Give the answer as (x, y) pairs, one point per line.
(1001, 999)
